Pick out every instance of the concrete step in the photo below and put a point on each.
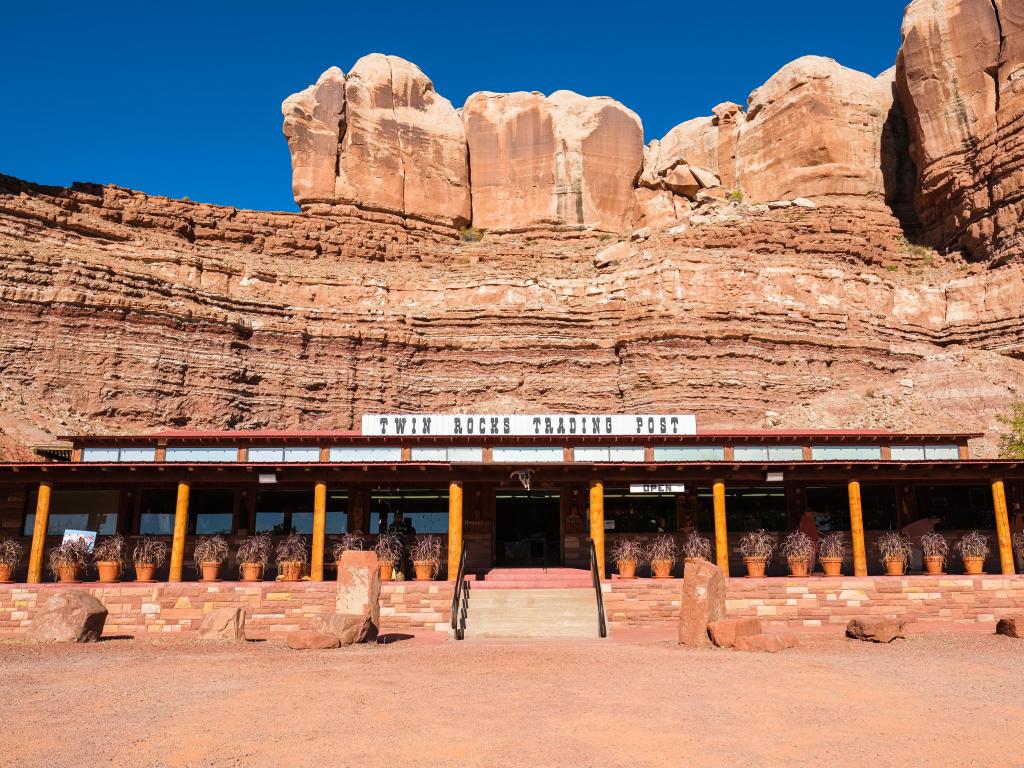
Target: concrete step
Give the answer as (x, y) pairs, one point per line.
(531, 612)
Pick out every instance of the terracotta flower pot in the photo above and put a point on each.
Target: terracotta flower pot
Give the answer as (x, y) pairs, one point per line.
(109, 571)
(387, 571)
(627, 568)
(67, 574)
(290, 571)
(144, 571)
(974, 566)
(424, 570)
(895, 567)
(252, 571)
(662, 569)
(933, 564)
(755, 567)
(833, 566)
(5, 573)
(211, 571)
(799, 566)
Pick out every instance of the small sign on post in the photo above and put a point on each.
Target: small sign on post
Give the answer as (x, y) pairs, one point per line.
(89, 537)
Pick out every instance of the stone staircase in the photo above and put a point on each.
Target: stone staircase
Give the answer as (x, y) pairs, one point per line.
(532, 603)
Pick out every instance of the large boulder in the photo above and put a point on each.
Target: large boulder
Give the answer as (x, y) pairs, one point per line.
(379, 139)
(72, 616)
(960, 82)
(875, 629)
(1011, 626)
(703, 602)
(310, 640)
(223, 624)
(349, 628)
(558, 160)
(725, 632)
(814, 130)
(357, 616)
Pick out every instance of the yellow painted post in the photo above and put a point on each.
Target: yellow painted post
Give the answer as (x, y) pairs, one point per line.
(454, 528)
(35, 560)
(180, 529)
(316, 568)
(597, 522)
(721, 529)
(1003, 528)
(860, 557)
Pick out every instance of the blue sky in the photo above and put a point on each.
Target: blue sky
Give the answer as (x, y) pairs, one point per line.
(184, 99)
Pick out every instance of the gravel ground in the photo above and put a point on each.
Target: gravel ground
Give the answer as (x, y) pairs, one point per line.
(931, 700)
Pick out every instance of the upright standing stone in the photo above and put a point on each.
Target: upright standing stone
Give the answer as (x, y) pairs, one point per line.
(703, 602)
(223, 624)
(74, 616)
(357, 618)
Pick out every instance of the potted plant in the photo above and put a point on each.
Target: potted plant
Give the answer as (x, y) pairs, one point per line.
(291, 557)
(10, 556)
(108, 557)
(832, 553)
(935, 549)
(627, 553)
(347, 543)
(210, 553)
(67, 560)
(1018, 543)
(662, 555)
(696, 547)
(426, 557)
(150, 553)
(798, 549)
(757, 548)
(252, 556)
(973, 549)
(894, 548)
(388, 548)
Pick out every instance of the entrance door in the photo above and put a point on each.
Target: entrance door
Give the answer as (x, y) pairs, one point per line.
(527, 528)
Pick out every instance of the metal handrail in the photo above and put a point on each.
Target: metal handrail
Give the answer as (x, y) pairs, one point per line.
(459, 598)
(602, 625)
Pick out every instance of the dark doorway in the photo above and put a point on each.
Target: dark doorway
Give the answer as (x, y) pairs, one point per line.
(527, 528)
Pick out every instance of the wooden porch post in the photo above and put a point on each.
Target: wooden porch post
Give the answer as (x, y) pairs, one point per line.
(721, 531)
(35, 560)
(860, 558)
(316, 568)
(597, 522)
(1002, 528)
(180, 529)
(454, 528)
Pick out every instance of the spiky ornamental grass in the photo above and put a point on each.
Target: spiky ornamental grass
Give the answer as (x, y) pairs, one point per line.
(1018, 543)
(627, 551)
(974, 544)
(110, 550)
(210, 549)
(427, 549)
(10, 553)
(893, 545)
(347, 543)
(150, 551)
(255, 550)
(388, 548)
(832, 546)
(663, 548)
(697, 547)
(75, 552)
(798, 545)
(291, 549)
(758, 544)
(934, 544)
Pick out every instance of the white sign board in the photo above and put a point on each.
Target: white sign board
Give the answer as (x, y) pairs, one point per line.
(658, 488)
(528, 425)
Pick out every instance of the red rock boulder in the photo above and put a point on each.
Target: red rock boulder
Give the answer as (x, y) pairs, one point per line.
(308, 640)
(72, 616)
(765, 643)
(725, 632)
(703, 602)
(1011, 626)
(875, 629)
(226, 624)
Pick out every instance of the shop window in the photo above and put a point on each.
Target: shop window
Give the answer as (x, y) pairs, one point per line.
(768, 453)
(448, 455)
(112, 455)
(422, 511)
(156, 512)
(201, 455)
(516, 455)
(283, 455)
(907, 452)
(683, 453)
(626, 512)
(76, 510)
(211, 512)
(746, 509)
(365, 455)
(617, 455)
(830, 505)
(279, 512)
(846, 452)
(941, 452)
(957, 507)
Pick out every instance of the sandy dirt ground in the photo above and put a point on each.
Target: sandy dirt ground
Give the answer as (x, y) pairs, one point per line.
(931, 700)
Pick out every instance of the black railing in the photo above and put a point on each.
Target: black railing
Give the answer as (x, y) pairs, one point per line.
(602, 626)
(460, 598)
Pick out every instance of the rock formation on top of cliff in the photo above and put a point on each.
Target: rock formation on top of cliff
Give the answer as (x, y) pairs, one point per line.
(961, 83)
(558, 160)
(380, 139)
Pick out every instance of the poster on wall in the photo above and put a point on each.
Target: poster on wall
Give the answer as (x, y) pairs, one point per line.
(89, 537)
(527, 425)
